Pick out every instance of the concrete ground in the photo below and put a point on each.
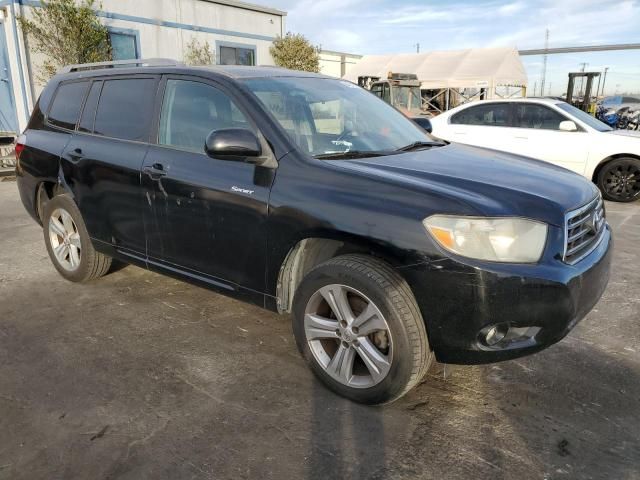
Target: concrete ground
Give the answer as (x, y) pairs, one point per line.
(140, 376)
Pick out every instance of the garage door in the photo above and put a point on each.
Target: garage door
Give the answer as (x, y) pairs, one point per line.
(8, 121)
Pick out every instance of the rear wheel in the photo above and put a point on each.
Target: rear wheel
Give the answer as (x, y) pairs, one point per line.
(357, 324)
(68, 242)
(619, 180)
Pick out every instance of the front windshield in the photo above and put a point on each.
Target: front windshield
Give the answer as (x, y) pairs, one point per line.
(407, 98)
(326, 116)
(584, 117)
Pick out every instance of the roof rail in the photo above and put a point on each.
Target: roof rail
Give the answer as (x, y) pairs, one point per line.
(141, 62)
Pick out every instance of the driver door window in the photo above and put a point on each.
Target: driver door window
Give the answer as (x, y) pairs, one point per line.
(531, 115)
(191, 110)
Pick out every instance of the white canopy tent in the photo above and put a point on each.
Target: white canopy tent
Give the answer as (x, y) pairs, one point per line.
(474, 68)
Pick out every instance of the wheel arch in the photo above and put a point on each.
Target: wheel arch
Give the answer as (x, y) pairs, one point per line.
(601, 165)
(45, 191)
(311, 251)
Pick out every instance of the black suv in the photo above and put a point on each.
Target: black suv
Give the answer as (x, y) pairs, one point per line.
(308, 195)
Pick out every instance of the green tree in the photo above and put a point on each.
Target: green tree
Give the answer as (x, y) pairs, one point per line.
(65, 33)
(295, 52)
(197, 53)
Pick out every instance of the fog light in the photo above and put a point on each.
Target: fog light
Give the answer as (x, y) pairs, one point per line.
(495, 334)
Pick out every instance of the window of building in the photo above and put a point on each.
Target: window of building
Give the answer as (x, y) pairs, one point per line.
(192, 110)
(486, 114)
(67, 103)
(126, 108)
(124, 46)
(237, 55)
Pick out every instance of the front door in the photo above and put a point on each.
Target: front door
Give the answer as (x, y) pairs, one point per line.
(207, 215)
(537, 134)
(8, 121)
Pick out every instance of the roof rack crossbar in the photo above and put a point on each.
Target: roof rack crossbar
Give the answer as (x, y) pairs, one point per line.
(141, 62)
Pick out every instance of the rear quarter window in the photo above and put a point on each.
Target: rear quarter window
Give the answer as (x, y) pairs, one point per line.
(125, 108)
(66, 104)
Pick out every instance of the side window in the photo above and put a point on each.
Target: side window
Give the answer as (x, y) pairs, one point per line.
(487, 114)
(67, 103)
(126, 108)
(531, 115)
(89, 111)
(191, 110)
(386, 93)
(377, 90)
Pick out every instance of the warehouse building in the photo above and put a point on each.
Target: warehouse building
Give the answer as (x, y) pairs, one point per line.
(239, 33)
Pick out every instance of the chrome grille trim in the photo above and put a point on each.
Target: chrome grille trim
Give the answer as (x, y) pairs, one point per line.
(584, 229)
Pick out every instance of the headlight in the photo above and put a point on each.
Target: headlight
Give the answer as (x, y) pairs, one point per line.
(515, 240)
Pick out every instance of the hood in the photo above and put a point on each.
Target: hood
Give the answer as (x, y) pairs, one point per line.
(490, 182)
(625, 133)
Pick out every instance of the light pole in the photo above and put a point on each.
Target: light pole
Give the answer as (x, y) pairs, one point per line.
(606, 69)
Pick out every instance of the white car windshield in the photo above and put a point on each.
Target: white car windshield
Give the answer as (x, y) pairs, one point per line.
(331, 117)
(584, 117)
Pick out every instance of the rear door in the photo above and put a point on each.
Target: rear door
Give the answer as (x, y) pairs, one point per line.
(486, 124)
(206, 215)
(102, 161)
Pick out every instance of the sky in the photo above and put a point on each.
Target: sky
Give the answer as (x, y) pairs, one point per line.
(396, 26)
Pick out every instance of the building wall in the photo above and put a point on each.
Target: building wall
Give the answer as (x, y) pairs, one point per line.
(163, 29)
(337, 64)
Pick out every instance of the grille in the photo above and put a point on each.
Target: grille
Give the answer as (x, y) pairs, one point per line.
(584, 228)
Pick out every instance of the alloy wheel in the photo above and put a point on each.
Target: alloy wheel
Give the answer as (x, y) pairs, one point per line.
(623, 181)
(348, 336)
(65, 239)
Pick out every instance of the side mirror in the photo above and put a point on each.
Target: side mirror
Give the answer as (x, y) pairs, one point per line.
(423, 123)
(568, 126)
(233, 144)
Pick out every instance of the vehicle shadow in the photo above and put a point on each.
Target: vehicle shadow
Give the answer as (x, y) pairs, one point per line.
(347, 439)
(568, 412)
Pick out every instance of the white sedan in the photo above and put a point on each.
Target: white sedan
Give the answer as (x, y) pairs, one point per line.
(553, 131)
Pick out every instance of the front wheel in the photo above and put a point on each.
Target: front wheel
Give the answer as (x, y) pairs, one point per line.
(357, 324)
(619, 180)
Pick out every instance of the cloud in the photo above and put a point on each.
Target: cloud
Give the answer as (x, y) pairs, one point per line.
(390, 26)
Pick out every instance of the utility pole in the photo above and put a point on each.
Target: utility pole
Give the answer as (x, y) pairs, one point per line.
(549, 91)
(544, 62)
(417, 45)
(606, 69)
(535, 87)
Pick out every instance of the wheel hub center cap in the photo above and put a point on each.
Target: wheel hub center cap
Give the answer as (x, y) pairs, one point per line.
(348, 335)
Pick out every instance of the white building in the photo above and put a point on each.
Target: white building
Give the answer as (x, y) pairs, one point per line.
(337, 64)
(238, 32)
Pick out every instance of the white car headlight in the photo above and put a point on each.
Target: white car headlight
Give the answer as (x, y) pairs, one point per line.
(500, 239)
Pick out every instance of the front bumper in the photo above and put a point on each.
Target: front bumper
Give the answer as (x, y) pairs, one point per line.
(459, 301)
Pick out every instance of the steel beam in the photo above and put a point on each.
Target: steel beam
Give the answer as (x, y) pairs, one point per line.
(588, 48)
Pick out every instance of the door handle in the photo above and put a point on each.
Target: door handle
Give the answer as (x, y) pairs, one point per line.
(520, 137)
(155, 171)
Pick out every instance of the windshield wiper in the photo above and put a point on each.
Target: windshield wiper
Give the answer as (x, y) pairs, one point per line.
(420, 145)
(353, 154)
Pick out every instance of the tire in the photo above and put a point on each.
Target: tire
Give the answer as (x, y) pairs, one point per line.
(619, 180)
(65, 233)
(371, 289)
